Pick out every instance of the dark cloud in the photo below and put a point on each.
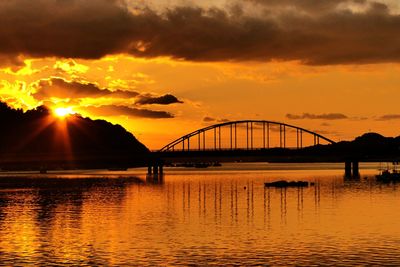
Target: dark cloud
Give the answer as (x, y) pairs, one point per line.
(359, 118)
(74, 91)
(328, 116)
(307, 5)
(115, 110)
(324, 34)
(161, 100)
(60, 88)
(72, 28)
(388, 117)
(209, 119)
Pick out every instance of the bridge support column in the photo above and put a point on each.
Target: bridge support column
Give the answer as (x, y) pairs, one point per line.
(356, 172)
(351, 169)
(347, 169)
(155, 169)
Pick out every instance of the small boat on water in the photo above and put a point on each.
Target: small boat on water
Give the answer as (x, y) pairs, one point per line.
(388, 176)
(282, 183)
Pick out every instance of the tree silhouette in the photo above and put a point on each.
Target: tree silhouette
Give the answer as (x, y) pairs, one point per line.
(39, 136)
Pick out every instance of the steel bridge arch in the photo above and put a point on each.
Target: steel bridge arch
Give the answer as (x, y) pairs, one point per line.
(266, 125)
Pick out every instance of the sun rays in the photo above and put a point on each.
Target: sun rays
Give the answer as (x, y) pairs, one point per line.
(57, 120)
(63, 112)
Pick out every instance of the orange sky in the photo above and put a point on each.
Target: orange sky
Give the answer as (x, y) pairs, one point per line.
(163, 69)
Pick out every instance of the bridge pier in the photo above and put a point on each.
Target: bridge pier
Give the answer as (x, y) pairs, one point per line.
(351, 169)
(155, 168)
(347, 168)
(155, 172)
(356, 172)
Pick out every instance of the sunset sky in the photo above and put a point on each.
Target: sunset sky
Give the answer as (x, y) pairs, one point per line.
(165, 68)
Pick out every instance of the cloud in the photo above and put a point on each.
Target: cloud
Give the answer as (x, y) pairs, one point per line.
(70, 67)
(84, 29)
(60, 88)
(308, 5)
(388, 117)
(74, 92)
(327, 116)
(161, 100)
(209, 119)
(313, 32)
(115, 110)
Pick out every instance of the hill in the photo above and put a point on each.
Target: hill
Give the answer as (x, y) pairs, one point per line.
(36, 138)
(369, 147)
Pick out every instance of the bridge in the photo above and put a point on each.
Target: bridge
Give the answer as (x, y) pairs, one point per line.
(244, 140)
(255, 130)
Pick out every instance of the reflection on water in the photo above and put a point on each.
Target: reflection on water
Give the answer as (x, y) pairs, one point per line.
(211, 217)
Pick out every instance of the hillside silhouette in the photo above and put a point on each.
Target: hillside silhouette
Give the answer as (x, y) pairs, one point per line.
(367, 147)
(36, 138)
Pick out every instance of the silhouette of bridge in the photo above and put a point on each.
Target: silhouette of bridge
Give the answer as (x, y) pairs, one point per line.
(254, 130)
(246, 140)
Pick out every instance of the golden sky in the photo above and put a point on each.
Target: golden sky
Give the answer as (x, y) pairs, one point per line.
(162, 68)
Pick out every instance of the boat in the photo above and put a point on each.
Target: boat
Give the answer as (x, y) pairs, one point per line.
(283, 183)
(388, 176)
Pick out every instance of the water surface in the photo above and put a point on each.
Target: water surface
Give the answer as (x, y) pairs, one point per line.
(214, 216)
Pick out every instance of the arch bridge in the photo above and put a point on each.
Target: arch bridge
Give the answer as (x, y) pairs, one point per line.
(249, 140)
(246, 135)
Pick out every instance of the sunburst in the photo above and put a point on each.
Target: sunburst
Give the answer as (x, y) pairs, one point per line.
(62, 112)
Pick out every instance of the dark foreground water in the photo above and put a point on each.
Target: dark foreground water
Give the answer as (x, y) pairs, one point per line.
(219, 216)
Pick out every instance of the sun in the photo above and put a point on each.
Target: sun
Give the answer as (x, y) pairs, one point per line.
(63, 112)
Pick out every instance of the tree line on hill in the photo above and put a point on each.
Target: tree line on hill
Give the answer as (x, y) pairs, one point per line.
(38, 137)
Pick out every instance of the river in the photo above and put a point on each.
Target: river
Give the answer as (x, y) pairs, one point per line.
(199, 217)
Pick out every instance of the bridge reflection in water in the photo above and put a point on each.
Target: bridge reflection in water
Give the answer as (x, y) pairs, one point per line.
(242, 203)
(239, 201)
